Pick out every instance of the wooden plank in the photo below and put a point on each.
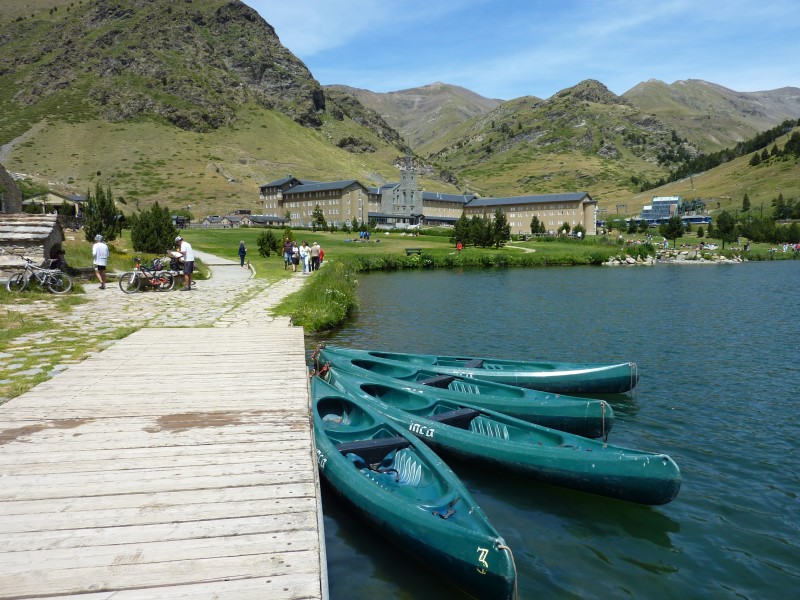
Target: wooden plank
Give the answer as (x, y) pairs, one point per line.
(114, 484)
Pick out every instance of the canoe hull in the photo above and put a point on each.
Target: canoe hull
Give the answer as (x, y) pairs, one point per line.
(556, 377)
(498, 442)
(409, 496)
(582, 416)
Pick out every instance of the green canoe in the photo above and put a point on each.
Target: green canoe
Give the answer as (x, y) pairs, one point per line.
(404, 490)
(582, 416)
(497, 441)
(558, 377)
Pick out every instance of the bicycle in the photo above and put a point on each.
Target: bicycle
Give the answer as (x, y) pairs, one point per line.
(54, 280)
(154, 276)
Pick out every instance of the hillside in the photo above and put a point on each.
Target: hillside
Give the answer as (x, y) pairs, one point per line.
(197, 103)
(191, 103)
(423, 114)
(712, 116)
(583, 138)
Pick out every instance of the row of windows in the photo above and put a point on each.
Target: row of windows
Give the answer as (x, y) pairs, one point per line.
(552, 223)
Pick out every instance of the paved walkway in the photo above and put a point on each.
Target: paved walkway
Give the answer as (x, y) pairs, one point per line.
(129, 475)
(230, 298)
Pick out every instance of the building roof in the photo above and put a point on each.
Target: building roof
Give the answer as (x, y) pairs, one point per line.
(538, 199)
(24, 227)
(285, 181)
(323, 186)
(440, 197)
(266, 219)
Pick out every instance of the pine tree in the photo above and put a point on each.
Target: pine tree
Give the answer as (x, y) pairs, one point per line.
(461, 231)
(672, 229)
(501, 230)
(100, 216)
(318, 219)
(745, 203)
(152, 230)
(726, 228)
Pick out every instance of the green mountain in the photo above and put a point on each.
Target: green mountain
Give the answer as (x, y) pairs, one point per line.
(422, 114)
(191, 103)
(712, 116)
(195, 103)
(583, 138)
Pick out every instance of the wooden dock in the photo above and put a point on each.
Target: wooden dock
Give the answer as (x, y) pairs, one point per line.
(177, 463)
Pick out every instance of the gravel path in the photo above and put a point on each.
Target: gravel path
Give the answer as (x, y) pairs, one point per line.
(231, 297)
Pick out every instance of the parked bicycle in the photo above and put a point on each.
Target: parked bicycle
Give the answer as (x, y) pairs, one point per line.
(54, 280)
(142, 276)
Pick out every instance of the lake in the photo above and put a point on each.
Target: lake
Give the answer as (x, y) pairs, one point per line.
(717, 348)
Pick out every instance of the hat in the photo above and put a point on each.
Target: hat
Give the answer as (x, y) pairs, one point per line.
(98, 238)
(178, 239)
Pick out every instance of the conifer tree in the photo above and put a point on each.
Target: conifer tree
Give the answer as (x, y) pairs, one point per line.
(500, 229)
(672, 229)
(152, 230)
(726, 228)
(100, 216)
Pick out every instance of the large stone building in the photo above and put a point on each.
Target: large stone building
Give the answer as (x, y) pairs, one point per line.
(575, 208)
(404, 205)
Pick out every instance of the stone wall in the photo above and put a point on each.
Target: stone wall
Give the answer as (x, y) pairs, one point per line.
(38, 237)
(10, 196)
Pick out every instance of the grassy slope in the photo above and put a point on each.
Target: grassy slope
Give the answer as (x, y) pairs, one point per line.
(727, 184)
(214, 172)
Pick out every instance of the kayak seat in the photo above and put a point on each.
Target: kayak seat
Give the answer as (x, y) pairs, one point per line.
(460, 417)
(409, 471)
(464, 387)
(475, 363)
(373, 450)
(437, 381)
(489, 428)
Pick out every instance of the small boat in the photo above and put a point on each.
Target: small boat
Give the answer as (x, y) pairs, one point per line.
(497, 441)
(407, 493)
(582, 416)
(557, 377)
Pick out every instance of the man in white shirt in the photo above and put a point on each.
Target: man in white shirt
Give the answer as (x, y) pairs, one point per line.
(185, 248)
(100, 259)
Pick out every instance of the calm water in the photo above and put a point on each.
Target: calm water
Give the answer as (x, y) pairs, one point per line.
(718, 350)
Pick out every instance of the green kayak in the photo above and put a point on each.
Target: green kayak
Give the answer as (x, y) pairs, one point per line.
(497, 441)
(557, 377)
(404, 490)
(582, 416)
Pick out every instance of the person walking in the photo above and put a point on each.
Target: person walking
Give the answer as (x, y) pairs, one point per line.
(315, 256)
(305, 257)
(242, 253)
(287, 253)
(185, 248)
(100, 259)
(295, 257)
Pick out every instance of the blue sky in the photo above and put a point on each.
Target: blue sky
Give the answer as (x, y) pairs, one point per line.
(510, 48)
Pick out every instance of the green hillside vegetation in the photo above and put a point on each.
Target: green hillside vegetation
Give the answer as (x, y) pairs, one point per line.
(215, 172)
(712, 116)
(425, 113)
(584, 138)
(724, 187)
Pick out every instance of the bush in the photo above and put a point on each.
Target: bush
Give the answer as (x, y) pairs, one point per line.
(268, 243)
(152, 230)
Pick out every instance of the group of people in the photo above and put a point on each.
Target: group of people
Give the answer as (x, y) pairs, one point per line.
(309, 257)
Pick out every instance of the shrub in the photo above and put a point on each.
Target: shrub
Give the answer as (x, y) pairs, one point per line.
(152, 230)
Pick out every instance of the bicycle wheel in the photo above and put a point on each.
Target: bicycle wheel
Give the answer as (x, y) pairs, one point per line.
(59, 283)
(164, 282)
(129, 282)
(17, 282)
